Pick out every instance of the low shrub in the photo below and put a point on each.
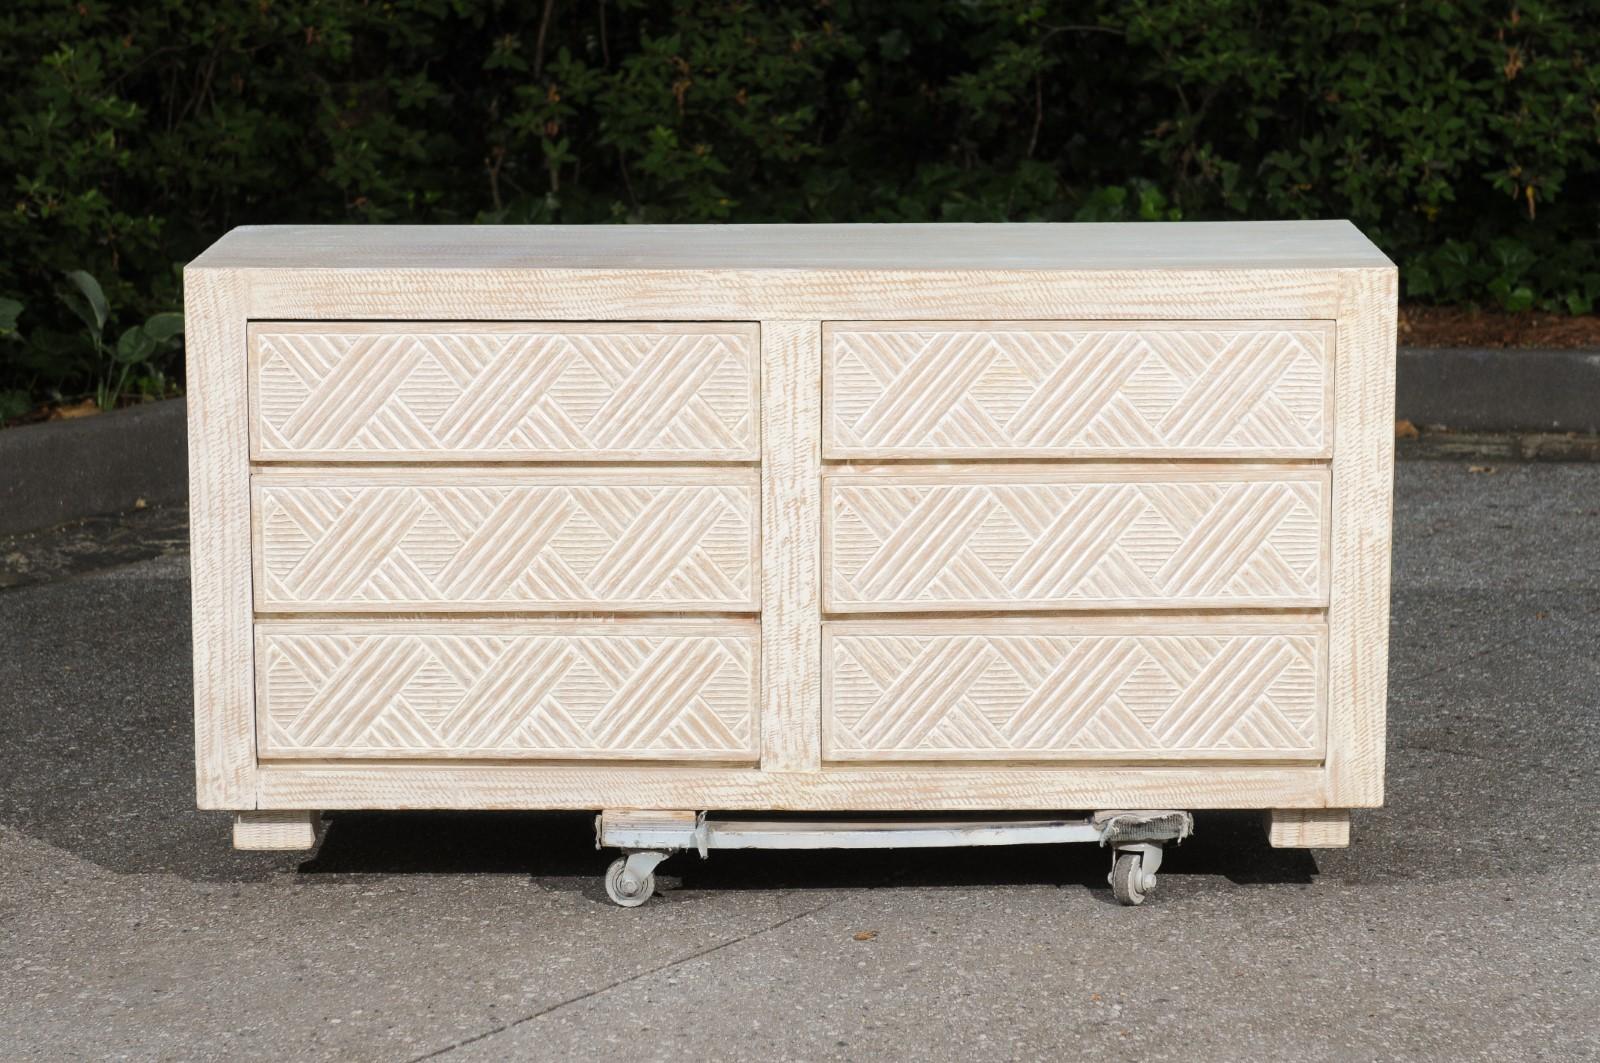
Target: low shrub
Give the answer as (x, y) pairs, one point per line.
(1463, 135)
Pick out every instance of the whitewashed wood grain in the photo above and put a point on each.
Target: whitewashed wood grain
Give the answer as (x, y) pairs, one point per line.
(940, 389)
(1194, 689)
(776, 294)
(482, 540)
(1148, 276)
(1093, 272)
(1086, 536)
(886, 788)
(1363, 492)
(219, 540)
(1152, 247)
(387, 391)
(683, 691)
(1308, 828)
(275, 831)
(791, 513)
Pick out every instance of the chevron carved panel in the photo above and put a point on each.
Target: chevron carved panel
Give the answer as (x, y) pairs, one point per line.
(379, 392)
(664, 542)
(1035, 390)
(911, 543)
(976, 695)
(493, 692)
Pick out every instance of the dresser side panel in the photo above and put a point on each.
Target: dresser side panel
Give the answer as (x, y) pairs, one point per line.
(1361, 529)
(219, 536)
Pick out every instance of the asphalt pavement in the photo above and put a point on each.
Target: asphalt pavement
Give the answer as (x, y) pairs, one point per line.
(1462, 924)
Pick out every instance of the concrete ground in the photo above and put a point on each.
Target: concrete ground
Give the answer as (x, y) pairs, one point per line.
(1463, 924)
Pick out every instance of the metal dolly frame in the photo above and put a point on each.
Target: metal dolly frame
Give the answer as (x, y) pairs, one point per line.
(1136, 839)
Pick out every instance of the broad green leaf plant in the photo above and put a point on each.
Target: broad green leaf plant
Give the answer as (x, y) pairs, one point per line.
(134, 349)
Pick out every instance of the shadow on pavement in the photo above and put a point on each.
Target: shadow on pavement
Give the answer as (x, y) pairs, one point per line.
(561, 846)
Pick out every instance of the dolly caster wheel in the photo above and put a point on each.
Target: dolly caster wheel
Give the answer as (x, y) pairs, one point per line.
(631, 879)
(1130, 882)
(626, 890)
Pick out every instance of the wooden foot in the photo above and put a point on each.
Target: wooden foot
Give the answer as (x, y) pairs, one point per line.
(275, 830)
(1308, 828)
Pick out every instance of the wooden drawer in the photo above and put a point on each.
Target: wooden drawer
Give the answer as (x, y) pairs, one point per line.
(1220, 688)
(389, 391)
(1037, 389)
(1102, 537)
(653, 690)
(646, 540)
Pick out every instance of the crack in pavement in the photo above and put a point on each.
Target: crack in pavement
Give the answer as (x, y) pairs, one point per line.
(558, 1005)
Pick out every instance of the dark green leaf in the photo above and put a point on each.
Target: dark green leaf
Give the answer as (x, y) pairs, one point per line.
(10, 310)
(87, 300)
(135, 345)
(163, 327)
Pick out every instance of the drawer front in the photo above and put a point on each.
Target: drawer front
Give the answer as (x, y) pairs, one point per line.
(1074, 690)
(1065, 389)
(1075, 538)
(395, 391)
(654, 540)
(641, 690)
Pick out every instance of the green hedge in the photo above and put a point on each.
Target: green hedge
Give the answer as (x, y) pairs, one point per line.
(1463, 137)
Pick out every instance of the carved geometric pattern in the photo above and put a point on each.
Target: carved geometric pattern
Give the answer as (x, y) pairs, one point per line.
(1041, 545)
(374, 395)
(977, 696)
(503, 545)
(1039, 390)
(492, 693)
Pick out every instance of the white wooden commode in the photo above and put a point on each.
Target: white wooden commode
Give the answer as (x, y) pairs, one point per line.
(662, 521)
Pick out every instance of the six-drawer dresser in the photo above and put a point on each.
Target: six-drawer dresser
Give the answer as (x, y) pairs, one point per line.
(658, 521)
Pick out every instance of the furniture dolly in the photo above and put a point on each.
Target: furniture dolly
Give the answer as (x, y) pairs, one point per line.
(1052, 532)
(646, 839)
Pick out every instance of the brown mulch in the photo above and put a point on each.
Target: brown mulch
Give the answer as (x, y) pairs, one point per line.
(69, 411)
(1450, 326)
(51, 411)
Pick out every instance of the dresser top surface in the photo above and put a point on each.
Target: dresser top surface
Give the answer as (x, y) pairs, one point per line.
(1267, 245)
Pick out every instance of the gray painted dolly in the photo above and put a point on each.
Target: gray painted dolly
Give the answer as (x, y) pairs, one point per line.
(647, 838)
